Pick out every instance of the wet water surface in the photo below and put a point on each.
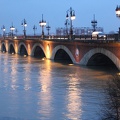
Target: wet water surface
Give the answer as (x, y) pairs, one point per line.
(33, 89)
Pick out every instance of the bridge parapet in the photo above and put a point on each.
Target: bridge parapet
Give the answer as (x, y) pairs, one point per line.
(64, 37)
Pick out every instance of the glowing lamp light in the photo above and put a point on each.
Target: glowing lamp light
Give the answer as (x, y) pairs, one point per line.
(3, 29)
(117, 10)
(118, 74)
(73, 16)
(70, 64)
(42, 23)
(118, 13)
(43, 58)
(25, 55)
(12, 28)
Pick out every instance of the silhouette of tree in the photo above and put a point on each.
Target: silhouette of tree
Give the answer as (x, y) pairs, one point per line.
(112, 107)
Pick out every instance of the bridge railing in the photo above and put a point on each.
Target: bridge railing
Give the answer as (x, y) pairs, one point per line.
(64, 37)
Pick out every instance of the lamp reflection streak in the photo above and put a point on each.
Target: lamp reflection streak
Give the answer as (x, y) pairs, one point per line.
(44, 96)
(14, 74)
(14, 85)
(27, 78)
(74, 100)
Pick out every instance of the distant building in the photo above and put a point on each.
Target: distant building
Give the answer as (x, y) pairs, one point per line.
(78, 30)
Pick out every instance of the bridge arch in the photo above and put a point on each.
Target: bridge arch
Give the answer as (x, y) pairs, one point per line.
(11, 48)
(3, 47)
(38, 47)
(109, 54)
(22, 49)
(55, 50)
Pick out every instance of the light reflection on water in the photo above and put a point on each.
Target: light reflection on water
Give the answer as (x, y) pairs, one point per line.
(74, 100)
(33, 89)
(45, 96)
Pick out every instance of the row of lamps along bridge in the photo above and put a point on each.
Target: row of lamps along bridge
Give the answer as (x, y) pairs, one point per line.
(70, 16)
(42, 24)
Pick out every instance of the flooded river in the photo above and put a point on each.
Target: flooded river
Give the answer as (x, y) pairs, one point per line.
(34, 89)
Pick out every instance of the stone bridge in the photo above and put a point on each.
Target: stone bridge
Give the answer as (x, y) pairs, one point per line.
(82, 52)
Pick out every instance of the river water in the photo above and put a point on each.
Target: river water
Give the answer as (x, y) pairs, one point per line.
(34, 89)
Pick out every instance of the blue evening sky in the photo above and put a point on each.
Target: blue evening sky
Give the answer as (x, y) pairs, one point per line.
(54, 12)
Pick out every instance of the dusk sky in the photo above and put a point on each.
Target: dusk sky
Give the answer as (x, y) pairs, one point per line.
(54, 12)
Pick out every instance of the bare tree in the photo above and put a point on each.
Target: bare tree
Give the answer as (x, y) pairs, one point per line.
(112, 107)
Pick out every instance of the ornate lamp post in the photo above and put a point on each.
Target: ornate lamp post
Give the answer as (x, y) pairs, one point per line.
(48, 28)
(42, 24)
(12, 28)
(3, 29)
(94, 23)
(117, 10)
(34, 29)
(70, 15)
(24, 24)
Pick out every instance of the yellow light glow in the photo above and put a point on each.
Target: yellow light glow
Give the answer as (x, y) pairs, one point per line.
(48, 51)
(16, 48)
(118, 73)
(71, 64)
(43, 58)
(25, 55)
(29, 49)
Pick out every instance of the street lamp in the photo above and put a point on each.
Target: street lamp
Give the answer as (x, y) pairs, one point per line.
(12, 28)
(34, 29)
(94, 23)
(24, 24)
(70, 15)
(3, 29)
(42, 24)
(48, 28)
(117, 10)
